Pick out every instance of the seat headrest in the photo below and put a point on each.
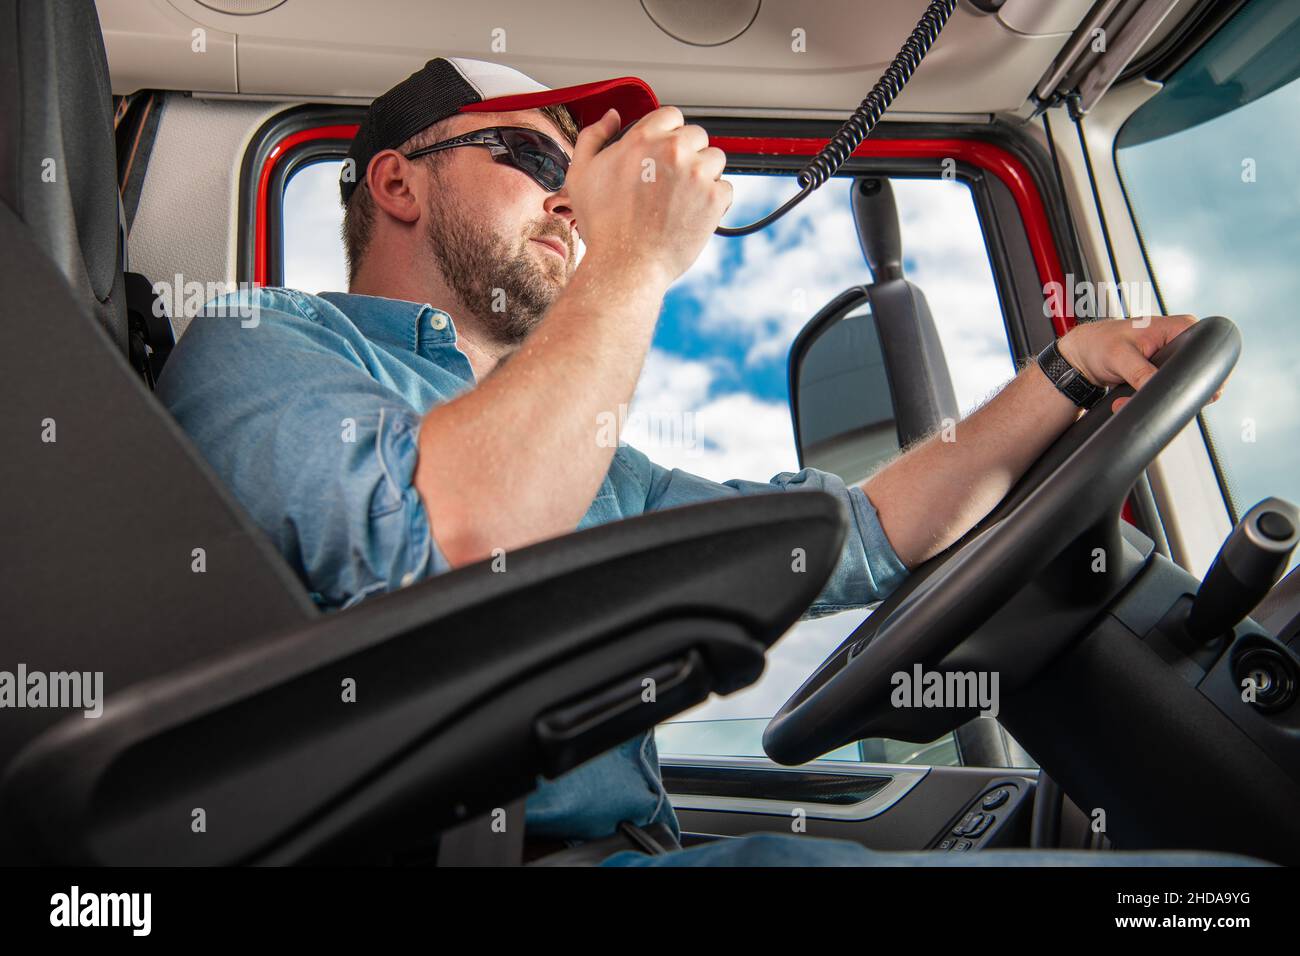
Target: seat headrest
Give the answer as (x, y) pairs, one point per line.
(58, 171)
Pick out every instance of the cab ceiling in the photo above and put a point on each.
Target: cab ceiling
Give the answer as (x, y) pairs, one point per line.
(342, 50)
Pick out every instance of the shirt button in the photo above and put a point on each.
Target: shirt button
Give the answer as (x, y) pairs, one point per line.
(438, 321)
(408, 578)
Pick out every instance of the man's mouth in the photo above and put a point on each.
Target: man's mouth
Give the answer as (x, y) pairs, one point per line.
(555, 244)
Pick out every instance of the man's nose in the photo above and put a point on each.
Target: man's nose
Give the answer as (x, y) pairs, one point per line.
(557, 204)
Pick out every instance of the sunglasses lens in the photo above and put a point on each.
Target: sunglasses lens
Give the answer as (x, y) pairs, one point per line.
(538, 157)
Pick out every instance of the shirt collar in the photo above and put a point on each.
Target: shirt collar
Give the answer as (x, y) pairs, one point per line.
(414, 326)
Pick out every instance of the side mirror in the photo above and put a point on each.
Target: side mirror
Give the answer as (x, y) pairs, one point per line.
(840, 397)
(865, 384)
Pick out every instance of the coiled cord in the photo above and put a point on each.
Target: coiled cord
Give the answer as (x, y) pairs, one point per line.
(864, 119)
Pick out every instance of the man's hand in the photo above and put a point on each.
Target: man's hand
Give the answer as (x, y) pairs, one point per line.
(653, 198)
(1118, 351)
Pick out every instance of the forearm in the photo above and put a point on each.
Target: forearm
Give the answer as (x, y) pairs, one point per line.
(519, 458)
(937, 491)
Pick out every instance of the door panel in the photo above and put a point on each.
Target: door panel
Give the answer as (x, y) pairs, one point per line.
(890, 807)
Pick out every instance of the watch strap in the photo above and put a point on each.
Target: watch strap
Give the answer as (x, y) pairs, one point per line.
(1068, 379)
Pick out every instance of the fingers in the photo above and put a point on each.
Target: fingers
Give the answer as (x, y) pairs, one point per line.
(1162, 330)
(723, 195)
(696, 138)
(1154, 332)
(1159, 330)
(593, 136)
(662, 120)
(711, 162)
(690, 142)
(1133, 367)
(667, 122)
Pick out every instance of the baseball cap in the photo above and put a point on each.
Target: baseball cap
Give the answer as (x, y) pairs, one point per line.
(449, 85)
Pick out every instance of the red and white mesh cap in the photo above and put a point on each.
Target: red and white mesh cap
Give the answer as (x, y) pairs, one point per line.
(449, 85)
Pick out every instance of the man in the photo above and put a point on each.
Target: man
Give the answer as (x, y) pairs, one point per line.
(381, 436)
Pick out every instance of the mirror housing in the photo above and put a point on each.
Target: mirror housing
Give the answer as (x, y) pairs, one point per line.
(865, 385)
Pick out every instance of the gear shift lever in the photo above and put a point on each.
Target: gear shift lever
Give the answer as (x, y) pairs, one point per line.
(1245, 569)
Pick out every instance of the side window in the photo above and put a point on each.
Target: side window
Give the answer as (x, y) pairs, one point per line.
(1210, 166)
(718, 362)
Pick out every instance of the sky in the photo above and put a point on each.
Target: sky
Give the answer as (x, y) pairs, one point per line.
(720, 349)
(1222, 244)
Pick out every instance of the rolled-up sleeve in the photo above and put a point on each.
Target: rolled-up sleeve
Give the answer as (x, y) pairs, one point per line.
(319, 452)
(869, 568)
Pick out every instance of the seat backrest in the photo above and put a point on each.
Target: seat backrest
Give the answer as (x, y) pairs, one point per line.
(59, 169)
(121, 552)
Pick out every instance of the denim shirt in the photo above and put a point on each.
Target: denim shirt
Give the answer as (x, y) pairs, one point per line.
(309, 408)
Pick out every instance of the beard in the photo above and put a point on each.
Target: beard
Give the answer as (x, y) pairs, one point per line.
(501, 282)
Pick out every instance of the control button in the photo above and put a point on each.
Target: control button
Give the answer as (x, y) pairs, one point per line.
(980, 824)
(967, 820)
(962, 845)
(1270, 675)
(1275, 526)
(995, 799)
(946, 844)
(973, 823)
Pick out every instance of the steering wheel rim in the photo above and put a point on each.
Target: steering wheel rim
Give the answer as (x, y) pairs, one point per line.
(1082, 479)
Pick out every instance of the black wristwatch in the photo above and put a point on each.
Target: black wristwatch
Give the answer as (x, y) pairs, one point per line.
(1067, 378)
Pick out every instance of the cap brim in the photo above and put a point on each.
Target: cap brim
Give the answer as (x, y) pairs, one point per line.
(588, 102)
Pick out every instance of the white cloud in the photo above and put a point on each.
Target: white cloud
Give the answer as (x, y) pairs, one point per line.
(735, 435)
(788, 271)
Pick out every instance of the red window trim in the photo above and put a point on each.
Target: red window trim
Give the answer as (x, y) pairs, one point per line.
(986, 156)
(273, 158)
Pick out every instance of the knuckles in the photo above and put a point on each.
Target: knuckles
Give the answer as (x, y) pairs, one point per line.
(673, 113)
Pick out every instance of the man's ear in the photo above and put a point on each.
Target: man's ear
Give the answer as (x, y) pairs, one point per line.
(390, 177)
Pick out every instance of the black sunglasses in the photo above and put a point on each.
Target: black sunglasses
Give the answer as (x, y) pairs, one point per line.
(525, 149)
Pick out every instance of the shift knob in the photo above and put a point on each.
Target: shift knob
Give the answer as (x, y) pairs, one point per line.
(1247, 566)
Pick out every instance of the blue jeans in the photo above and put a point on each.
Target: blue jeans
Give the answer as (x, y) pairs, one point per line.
(788, 849)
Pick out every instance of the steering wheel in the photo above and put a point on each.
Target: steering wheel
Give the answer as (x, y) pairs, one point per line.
(1072, 495)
